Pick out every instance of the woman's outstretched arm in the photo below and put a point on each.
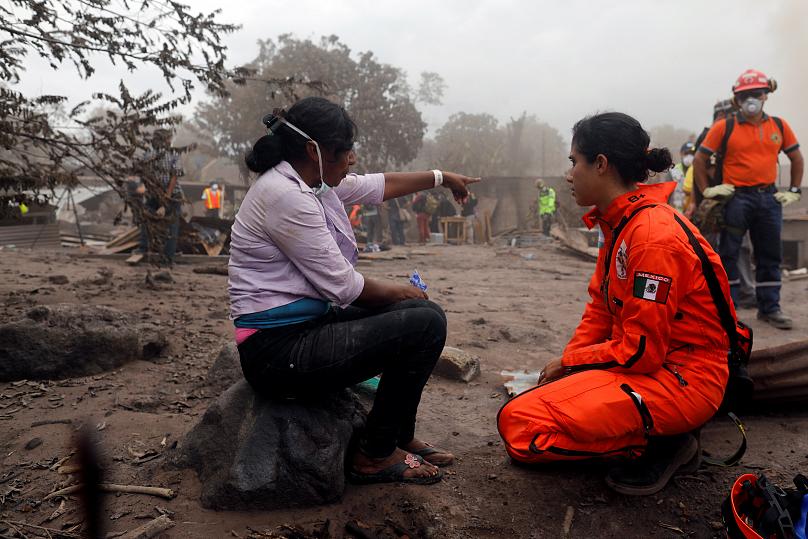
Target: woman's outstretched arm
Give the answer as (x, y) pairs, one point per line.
(398, 184)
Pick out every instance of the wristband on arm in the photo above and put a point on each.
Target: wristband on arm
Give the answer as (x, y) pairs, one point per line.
(438, 177)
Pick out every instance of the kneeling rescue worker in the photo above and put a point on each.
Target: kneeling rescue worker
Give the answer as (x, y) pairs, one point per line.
(648, 363)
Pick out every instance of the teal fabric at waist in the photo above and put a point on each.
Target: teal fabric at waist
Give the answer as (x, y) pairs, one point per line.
(298, 311)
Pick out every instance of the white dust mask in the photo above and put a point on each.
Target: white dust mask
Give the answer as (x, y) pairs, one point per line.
(323, 188)
(751, 106)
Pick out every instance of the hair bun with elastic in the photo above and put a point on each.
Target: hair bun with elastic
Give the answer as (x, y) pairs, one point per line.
(658, 159)
(272, 122)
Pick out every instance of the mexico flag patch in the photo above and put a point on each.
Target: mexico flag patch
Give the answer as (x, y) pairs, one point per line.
(651, 286)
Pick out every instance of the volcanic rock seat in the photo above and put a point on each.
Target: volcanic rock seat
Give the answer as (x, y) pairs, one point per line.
(251, 452)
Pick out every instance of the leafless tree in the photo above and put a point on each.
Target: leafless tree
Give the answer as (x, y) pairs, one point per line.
(42, 143)
(376, 95)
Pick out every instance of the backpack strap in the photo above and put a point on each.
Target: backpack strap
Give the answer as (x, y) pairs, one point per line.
(718, 179)
(728, 322)
(701, 137)
(735, 457)
(779, 123)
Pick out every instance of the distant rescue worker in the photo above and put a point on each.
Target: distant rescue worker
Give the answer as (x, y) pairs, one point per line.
(445, 209)
(693, 196)
(678, 173)
(648, 363)
(372, 219)
(355, 216)
(422, 203)
(746, 295)
(212, 196)
(469, 211)
(750, 142)
(548, 204)
(395, 221)
(163, 196)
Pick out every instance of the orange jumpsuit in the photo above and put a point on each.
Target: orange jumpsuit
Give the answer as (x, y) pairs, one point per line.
(649, 356)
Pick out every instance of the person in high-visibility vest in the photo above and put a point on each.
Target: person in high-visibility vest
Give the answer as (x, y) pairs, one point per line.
(213, 200)
(355, 217)
(547, 205)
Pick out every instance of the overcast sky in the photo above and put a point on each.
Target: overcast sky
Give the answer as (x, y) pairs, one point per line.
(662, 61)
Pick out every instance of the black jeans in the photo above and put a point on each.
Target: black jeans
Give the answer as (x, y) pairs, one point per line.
(402, 341)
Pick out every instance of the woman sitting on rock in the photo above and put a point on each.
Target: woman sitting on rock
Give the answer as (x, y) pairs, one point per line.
(647, 365)
(306, 320)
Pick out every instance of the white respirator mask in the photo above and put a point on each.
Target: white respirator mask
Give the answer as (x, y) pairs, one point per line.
(751, 106)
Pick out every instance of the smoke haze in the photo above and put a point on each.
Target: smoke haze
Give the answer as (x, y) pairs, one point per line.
(666, 62)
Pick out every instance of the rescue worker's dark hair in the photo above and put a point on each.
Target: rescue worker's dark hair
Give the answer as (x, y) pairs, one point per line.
(623, 141)
(324, 121)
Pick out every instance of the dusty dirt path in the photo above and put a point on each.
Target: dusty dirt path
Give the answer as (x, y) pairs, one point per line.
(511, 311)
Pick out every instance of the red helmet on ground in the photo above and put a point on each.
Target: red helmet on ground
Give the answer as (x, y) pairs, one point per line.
(752, 79)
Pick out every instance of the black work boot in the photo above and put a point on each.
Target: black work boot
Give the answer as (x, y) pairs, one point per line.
(776, 319)
(664, 456)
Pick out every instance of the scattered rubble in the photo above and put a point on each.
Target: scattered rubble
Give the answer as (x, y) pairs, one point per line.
(66, 340)
(456, 364)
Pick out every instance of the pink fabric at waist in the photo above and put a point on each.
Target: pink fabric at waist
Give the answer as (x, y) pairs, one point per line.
(243, 333)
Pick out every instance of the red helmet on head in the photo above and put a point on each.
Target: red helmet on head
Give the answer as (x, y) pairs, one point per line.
(752, 79)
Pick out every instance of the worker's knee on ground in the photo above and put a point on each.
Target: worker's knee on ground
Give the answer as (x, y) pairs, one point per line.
(590, 413)
(514, 427)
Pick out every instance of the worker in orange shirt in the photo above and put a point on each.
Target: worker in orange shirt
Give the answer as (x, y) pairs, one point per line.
(355, 216)
(750, 142)
(213, 200)
(648, 362)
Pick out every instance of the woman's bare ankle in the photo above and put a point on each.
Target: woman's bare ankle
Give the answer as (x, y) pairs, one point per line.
(364, 463)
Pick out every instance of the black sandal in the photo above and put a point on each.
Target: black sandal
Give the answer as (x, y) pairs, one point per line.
(395, 474)
(431, 450)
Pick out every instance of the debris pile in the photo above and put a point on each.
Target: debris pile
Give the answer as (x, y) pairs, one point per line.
(66, 340)
(457, 365)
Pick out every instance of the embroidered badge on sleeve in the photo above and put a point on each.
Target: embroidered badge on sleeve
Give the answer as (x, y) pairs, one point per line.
(651, 286)
(621, 261)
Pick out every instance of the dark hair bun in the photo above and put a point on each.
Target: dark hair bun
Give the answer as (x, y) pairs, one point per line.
(321, 120)
(623, 141)
(658, 159)
(266, 153)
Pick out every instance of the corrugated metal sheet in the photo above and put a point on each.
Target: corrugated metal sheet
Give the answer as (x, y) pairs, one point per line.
(31, 236)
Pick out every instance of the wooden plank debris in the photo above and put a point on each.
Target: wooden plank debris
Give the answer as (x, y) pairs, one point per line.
(151, 529)
(135, 259)
(121, 248)
(166, 493)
